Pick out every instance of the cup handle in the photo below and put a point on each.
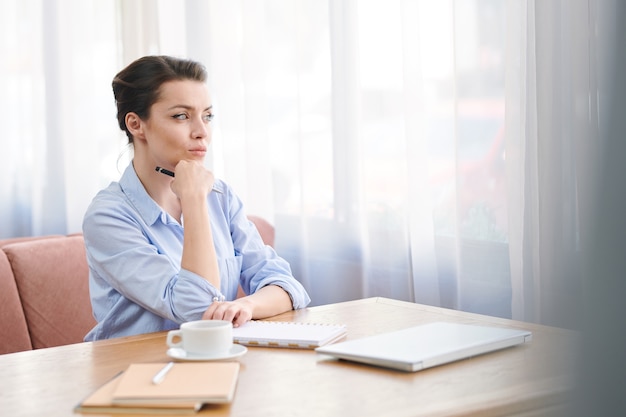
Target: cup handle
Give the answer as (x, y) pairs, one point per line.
(170, 338)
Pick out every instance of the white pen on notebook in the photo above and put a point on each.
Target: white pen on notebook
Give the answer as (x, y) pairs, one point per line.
(160, 376)
(171, 174)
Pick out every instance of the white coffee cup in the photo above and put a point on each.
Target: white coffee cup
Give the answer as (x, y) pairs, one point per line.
(203, 337)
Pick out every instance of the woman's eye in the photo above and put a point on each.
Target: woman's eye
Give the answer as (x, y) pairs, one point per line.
(181, 116)
(208, 117)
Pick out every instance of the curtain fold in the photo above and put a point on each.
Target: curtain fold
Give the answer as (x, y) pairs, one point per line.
(436, 152)
(423, 283)
(557, 94)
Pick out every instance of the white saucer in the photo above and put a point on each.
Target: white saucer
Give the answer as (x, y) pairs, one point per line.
(234, 352)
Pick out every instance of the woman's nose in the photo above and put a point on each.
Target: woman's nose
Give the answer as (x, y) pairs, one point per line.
(200, 128)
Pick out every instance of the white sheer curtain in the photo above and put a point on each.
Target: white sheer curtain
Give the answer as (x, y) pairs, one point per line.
(429, 151)
(58, 144)
(552, 134)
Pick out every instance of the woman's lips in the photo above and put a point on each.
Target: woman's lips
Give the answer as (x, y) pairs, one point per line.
(198, 151)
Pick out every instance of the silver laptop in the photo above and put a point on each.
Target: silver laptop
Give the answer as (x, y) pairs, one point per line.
(427, 345)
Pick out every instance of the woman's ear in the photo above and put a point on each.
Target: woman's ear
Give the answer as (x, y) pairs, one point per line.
(134, 125)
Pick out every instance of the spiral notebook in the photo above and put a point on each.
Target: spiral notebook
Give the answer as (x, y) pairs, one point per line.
(288, 334)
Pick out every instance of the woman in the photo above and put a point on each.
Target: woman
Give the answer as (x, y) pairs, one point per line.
(166, 249)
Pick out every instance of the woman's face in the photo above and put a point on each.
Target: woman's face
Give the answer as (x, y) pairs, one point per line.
(178, 126)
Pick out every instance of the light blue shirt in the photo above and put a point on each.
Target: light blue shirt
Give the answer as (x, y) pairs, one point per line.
(134, 251)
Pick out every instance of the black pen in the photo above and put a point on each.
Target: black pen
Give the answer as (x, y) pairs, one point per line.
(171, 174)
(164, 171)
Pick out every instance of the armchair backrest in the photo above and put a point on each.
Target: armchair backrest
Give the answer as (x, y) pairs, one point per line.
(54, 289)
(14, 335)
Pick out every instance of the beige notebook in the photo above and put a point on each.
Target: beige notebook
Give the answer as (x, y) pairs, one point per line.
(205, 382)
(101, 402)
(288, 334)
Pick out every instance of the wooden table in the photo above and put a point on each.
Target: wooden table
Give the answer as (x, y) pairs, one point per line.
(530, 380)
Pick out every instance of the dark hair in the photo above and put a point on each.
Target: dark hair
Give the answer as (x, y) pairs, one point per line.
(136, 88)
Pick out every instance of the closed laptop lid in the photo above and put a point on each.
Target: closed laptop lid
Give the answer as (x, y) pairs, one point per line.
(427, 345)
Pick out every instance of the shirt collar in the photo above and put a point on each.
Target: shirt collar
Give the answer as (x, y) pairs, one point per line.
(147, 208)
